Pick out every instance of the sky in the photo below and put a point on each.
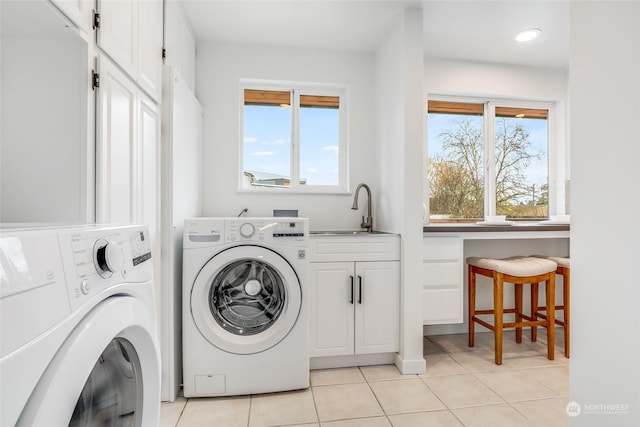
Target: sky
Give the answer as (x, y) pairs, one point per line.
(267, 142)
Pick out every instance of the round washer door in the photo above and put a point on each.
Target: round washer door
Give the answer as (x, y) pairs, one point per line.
(107, 372)
(246, 299)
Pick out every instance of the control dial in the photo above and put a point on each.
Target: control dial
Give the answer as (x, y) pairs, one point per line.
(107, 257)
(247, 230)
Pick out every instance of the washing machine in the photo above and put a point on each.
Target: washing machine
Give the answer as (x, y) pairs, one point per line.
(78, 327)
(245, 306)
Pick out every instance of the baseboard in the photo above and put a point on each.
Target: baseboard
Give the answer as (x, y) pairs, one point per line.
(330, 362)
(410, 367)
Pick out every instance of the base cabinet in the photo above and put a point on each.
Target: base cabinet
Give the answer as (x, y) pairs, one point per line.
(354, 307)
(442, 280)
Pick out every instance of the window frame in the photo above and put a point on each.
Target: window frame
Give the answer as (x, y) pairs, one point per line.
(297, 89)
(555, 149)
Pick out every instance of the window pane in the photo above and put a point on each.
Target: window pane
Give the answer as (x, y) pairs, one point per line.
(455, 162)
(319, 140)
(267, 138)
(522, 168)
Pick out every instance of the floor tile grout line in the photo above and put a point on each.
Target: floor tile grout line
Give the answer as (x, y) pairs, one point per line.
(315, 405)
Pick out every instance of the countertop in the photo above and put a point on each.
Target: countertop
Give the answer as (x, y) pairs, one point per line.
(472, 228)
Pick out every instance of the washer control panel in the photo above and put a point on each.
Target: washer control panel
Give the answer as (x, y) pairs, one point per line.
(99, 258)
(266, 229)
(290, 228)
(202, 232)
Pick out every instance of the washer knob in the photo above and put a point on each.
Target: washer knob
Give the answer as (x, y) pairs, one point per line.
(107, 258)
(247, 230)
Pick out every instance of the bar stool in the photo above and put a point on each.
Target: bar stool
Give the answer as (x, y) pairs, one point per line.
(519, 271)
(564, 270)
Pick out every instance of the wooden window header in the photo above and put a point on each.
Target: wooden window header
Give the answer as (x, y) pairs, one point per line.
(522, 113)
(466, 108)
(266, 97)
(283, 98)
(447, 107)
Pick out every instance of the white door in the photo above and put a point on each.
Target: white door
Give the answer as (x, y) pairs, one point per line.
(148, 179)
(116, 113)
(246, 299)
(78, 11)
(150, 48)
(332, 286)
(377, 316)
(118, 32)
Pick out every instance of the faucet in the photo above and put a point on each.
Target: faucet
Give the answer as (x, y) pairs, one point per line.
(368, 223)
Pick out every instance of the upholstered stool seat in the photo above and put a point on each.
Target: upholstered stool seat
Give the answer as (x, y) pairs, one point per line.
(564, 270)
(519, 271)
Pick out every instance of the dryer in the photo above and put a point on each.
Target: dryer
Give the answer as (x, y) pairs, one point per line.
(245, 306)
(78, 327)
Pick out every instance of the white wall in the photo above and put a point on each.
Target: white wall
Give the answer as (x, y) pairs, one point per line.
(400, 135)
(605, 107)
(219, 68)
(44, 134)
(465, 78)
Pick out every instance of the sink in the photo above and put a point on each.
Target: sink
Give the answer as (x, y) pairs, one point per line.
(347, 233)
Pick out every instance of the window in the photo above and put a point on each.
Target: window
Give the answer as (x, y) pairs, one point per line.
(487, 158)
(294, 139)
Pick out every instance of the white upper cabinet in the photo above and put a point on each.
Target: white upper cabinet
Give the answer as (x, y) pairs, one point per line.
(78, 11)
(130, 33)
(116, 151)
(150, 47)
(127, 151)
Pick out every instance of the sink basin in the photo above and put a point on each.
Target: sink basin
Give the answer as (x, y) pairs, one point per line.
(347, 233)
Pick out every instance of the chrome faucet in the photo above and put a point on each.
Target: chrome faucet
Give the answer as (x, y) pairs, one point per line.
(368, 223)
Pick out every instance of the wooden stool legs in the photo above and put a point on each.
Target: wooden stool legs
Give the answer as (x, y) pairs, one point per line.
(536, 311)
(498, 311)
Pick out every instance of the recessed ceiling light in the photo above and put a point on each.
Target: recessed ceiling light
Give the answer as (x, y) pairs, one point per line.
(528, 34)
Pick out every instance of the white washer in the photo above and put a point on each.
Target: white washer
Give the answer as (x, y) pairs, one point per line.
(245, 306)
(78, 327)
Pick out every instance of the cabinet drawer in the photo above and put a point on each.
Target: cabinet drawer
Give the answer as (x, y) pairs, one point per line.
(442, 274)
(354, 248)
(441, 306)
(442, 248)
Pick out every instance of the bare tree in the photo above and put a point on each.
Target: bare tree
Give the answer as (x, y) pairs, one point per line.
(456, 178)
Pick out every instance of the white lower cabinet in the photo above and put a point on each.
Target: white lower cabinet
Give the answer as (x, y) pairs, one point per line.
(442, 280)
(354, 307)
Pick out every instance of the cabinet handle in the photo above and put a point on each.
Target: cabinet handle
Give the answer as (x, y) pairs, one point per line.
(359, 289)
(351, 300)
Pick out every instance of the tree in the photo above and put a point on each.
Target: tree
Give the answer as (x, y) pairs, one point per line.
(456, 178)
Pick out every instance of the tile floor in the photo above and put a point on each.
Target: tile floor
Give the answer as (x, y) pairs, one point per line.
(462, 387)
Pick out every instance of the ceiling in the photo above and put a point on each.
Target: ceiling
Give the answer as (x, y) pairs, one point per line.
(475, 30)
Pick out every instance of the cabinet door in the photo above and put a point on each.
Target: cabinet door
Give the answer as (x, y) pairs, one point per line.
(118, 32)
(78, 11)
(150, 47)
(116, 117)
(377, 308)
(332, 305)
(147, 196)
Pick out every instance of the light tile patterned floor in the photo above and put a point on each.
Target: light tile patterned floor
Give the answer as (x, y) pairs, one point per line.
(462, 387)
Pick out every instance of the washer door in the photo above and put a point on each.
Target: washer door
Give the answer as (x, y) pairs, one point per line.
(106, 373)
(246, 299)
